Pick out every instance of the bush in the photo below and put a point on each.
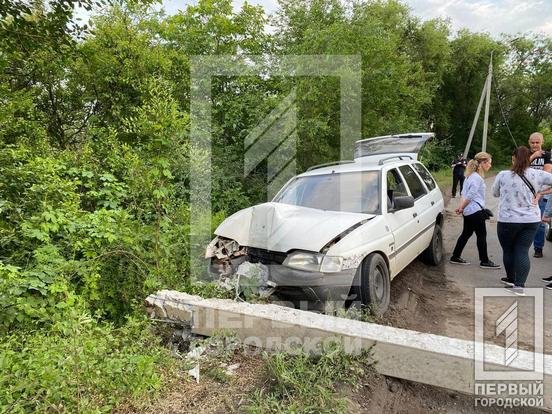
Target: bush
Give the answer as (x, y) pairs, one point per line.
(79, 365)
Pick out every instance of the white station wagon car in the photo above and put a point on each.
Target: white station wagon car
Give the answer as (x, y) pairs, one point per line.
(342, 231)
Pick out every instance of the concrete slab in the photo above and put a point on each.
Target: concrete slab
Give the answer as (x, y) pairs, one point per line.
(420, 357)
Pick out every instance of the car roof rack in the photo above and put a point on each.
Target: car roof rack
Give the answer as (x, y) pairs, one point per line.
(329, 164)
(400, 157)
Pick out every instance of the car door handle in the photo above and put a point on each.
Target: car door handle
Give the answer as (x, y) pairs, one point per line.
(415, 215)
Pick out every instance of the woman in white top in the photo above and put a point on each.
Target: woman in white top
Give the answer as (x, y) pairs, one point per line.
(471, 207)
(518, 215)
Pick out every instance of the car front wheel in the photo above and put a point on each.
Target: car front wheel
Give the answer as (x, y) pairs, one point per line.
(374, 289)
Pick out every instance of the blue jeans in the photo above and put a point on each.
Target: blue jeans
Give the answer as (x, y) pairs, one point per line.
(538, 242)
(515, 240)
(548, 208)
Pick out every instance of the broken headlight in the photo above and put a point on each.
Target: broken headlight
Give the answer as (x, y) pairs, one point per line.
(314, 262)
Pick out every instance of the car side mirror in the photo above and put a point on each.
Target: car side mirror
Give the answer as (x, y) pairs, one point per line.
(402, 202)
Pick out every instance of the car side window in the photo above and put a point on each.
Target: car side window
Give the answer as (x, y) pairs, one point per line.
(425, 175)
(417, 189)
(395, 187)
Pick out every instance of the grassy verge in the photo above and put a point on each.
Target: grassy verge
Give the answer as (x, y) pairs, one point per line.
(443, 177)
(302, 383)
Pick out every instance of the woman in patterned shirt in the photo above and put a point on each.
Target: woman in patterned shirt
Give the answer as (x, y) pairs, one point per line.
(518, 215)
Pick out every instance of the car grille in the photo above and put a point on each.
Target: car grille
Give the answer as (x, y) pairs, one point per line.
(266, 257)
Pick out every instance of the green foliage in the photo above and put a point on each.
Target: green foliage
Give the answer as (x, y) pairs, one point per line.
(437, 153)
(80, 365)
(307, 384)
(95, 155)
(460, 92)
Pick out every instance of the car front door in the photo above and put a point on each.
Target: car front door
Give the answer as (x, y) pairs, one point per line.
(402, 223)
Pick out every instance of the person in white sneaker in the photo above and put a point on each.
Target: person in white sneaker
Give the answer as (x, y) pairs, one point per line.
(518, 215)
(472, 205)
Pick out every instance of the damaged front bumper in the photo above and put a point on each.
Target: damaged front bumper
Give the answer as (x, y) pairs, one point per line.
(226, 256)
(312, 285)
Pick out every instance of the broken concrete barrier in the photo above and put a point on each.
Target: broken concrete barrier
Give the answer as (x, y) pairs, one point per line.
(415, 356)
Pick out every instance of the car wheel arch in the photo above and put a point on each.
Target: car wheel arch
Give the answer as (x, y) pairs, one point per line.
(358, 288)
(382, 254)
(440, 219)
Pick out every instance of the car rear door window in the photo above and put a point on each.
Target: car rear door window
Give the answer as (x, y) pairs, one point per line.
(426, 176)
(417, 189)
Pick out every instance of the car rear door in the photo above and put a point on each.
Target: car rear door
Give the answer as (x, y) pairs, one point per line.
(425, 207)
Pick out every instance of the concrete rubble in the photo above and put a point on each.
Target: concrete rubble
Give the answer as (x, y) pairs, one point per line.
(249, 279)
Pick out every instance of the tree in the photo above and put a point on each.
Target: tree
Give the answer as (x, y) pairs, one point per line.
(462, 86)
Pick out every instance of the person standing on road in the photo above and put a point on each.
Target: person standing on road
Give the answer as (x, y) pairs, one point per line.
(458, 168)
(540, 160)
(471, 207)
(547, 218)
(518, 215)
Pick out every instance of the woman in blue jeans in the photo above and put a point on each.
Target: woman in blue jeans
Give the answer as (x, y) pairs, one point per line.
(518, 216)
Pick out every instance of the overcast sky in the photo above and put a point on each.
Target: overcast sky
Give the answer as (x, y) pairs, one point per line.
(493, 16)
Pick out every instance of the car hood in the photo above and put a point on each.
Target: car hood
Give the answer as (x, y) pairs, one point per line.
(284, 227)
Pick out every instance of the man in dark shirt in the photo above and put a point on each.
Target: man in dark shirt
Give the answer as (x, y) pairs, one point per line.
(540, 160)
(458, 168)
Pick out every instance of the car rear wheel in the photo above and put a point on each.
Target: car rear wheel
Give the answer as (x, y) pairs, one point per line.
(433, 255)
(374, 288)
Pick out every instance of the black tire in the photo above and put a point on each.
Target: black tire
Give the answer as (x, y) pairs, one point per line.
(374, 285)
(548, 231)
(433, 255)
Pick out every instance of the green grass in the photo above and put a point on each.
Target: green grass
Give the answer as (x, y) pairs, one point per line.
(302, 383)
(443, 177)
(81, 366)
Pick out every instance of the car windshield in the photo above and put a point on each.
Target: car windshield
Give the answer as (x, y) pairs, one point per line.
(355, 192)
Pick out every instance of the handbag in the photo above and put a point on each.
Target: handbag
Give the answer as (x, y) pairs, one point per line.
(487, 214)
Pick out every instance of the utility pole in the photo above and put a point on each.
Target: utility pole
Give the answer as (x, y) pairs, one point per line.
(487, 103)
(485, 95)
